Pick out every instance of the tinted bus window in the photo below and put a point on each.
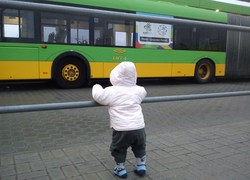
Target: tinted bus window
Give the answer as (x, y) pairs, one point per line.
(211, 40)
(184, 37)
(53, 28)
(192, 38)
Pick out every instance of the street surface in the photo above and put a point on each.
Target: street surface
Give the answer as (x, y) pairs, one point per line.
(206, 139)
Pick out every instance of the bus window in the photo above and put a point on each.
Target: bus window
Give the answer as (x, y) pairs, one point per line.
(192, 38)
(211, 40)
(185, 37)
(113, 32)
(27, 24)
(79, 31)
(11, 23)
(53, 28)
(18, 24)
(120, 34)
(99, 31)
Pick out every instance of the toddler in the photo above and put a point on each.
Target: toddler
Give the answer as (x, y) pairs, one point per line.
(124, 99)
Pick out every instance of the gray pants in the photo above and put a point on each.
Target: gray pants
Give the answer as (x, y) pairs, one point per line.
(122, 140)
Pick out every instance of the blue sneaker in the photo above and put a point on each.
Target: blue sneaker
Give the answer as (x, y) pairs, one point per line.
(140, 169)
(121, 173)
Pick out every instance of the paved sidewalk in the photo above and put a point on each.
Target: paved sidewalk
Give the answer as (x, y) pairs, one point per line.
(206, 139)
(220, 152)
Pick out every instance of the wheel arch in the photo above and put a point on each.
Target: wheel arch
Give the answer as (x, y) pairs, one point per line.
(208, 59)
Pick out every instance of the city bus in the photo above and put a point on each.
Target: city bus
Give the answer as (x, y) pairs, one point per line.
(73, 49)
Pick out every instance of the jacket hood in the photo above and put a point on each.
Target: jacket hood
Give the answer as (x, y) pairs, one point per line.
(124, 74)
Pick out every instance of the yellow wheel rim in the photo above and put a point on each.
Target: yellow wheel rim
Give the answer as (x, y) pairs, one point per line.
(70, 72)
(204, 71)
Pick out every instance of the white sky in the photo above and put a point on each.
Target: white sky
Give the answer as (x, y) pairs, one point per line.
(237, 2)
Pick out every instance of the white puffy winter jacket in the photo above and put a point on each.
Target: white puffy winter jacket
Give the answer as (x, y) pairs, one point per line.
(123, 98)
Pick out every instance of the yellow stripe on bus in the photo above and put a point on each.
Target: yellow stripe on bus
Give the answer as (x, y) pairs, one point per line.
(21, 70)
(102, 70)
(16, 70)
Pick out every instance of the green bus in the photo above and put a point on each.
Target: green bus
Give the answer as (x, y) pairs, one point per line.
(73, 49)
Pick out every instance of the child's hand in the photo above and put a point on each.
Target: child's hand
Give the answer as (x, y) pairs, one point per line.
(100, 95)
(97, 86)
(96, 91)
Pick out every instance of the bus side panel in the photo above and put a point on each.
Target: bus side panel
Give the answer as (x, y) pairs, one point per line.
(188, 70)
(153, 63)
(45, 68)
(19, 63)
(153, 69)
(183, 70)
(220, 69)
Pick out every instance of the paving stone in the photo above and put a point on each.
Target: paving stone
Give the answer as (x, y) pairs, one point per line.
(56, 173)
(37, 165)
(180, 152)
(7, 170)
(91, 177)
(152, 155)
(158, 167)
(70, 171)
(163, 175)
(9, 178)
(75, 178)
(185, 158)
(205, 152)
(227, 150)
(106, 175)
(197, 157)
(6, 160)
(23, 168)
(174, 165)
(40, 178)
(32, 175)
(194, 147)
(57, 162)
(90, 167)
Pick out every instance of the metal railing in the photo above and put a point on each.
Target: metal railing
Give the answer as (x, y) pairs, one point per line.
(113, 14)
(85, 104)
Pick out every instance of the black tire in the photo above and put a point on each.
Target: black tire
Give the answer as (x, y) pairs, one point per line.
(70, 73)
(204, 71)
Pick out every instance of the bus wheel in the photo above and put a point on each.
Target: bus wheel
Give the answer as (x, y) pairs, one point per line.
(70, 73)
(204, 71)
